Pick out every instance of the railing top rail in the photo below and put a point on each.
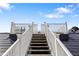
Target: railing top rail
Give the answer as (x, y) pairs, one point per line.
(64, 48)
(15, 43)
(56, 23)
(51, 32)
(11, 47)
(24, 24)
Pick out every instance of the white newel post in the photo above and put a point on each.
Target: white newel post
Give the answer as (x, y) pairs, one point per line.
(12, 27)
(46, 32)
(32, 27)
(66, 26)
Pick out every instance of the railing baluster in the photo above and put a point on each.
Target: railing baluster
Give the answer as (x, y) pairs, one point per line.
(56, 46)
(20, 46)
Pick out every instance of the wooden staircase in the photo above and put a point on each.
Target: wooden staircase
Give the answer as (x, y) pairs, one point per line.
(39, 46)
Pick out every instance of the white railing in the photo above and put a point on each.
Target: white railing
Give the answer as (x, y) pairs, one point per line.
(20, 46)
(58, 27)
(56, 46)
(19, 28)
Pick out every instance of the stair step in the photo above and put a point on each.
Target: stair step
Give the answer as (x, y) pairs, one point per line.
(74, 50)
(1, 53)
(3, 49)
(38, 48)
(42, 36)
(5, 41)
(38, 34)
(38, 44)
(38, 41)
(71, 42)
(38, 38)
(73, 39)
(4, 44)
(75, 53)
(73, 47)
(39, 54)
(39, 51)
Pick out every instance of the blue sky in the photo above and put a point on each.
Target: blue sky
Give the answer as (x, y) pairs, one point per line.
(38, 13)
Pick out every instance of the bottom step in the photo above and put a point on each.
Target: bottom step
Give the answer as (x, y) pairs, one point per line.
(38, 52)
(39, 55)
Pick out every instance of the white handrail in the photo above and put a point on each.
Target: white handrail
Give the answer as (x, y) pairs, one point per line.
(8, 52)
(25, 41)
(20, 46)
(61, 45)
(56, 46)
(63, 49)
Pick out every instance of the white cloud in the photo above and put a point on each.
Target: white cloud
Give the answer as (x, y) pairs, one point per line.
(59, 13)
(63, 10)
(6, 6)
(54, 16)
